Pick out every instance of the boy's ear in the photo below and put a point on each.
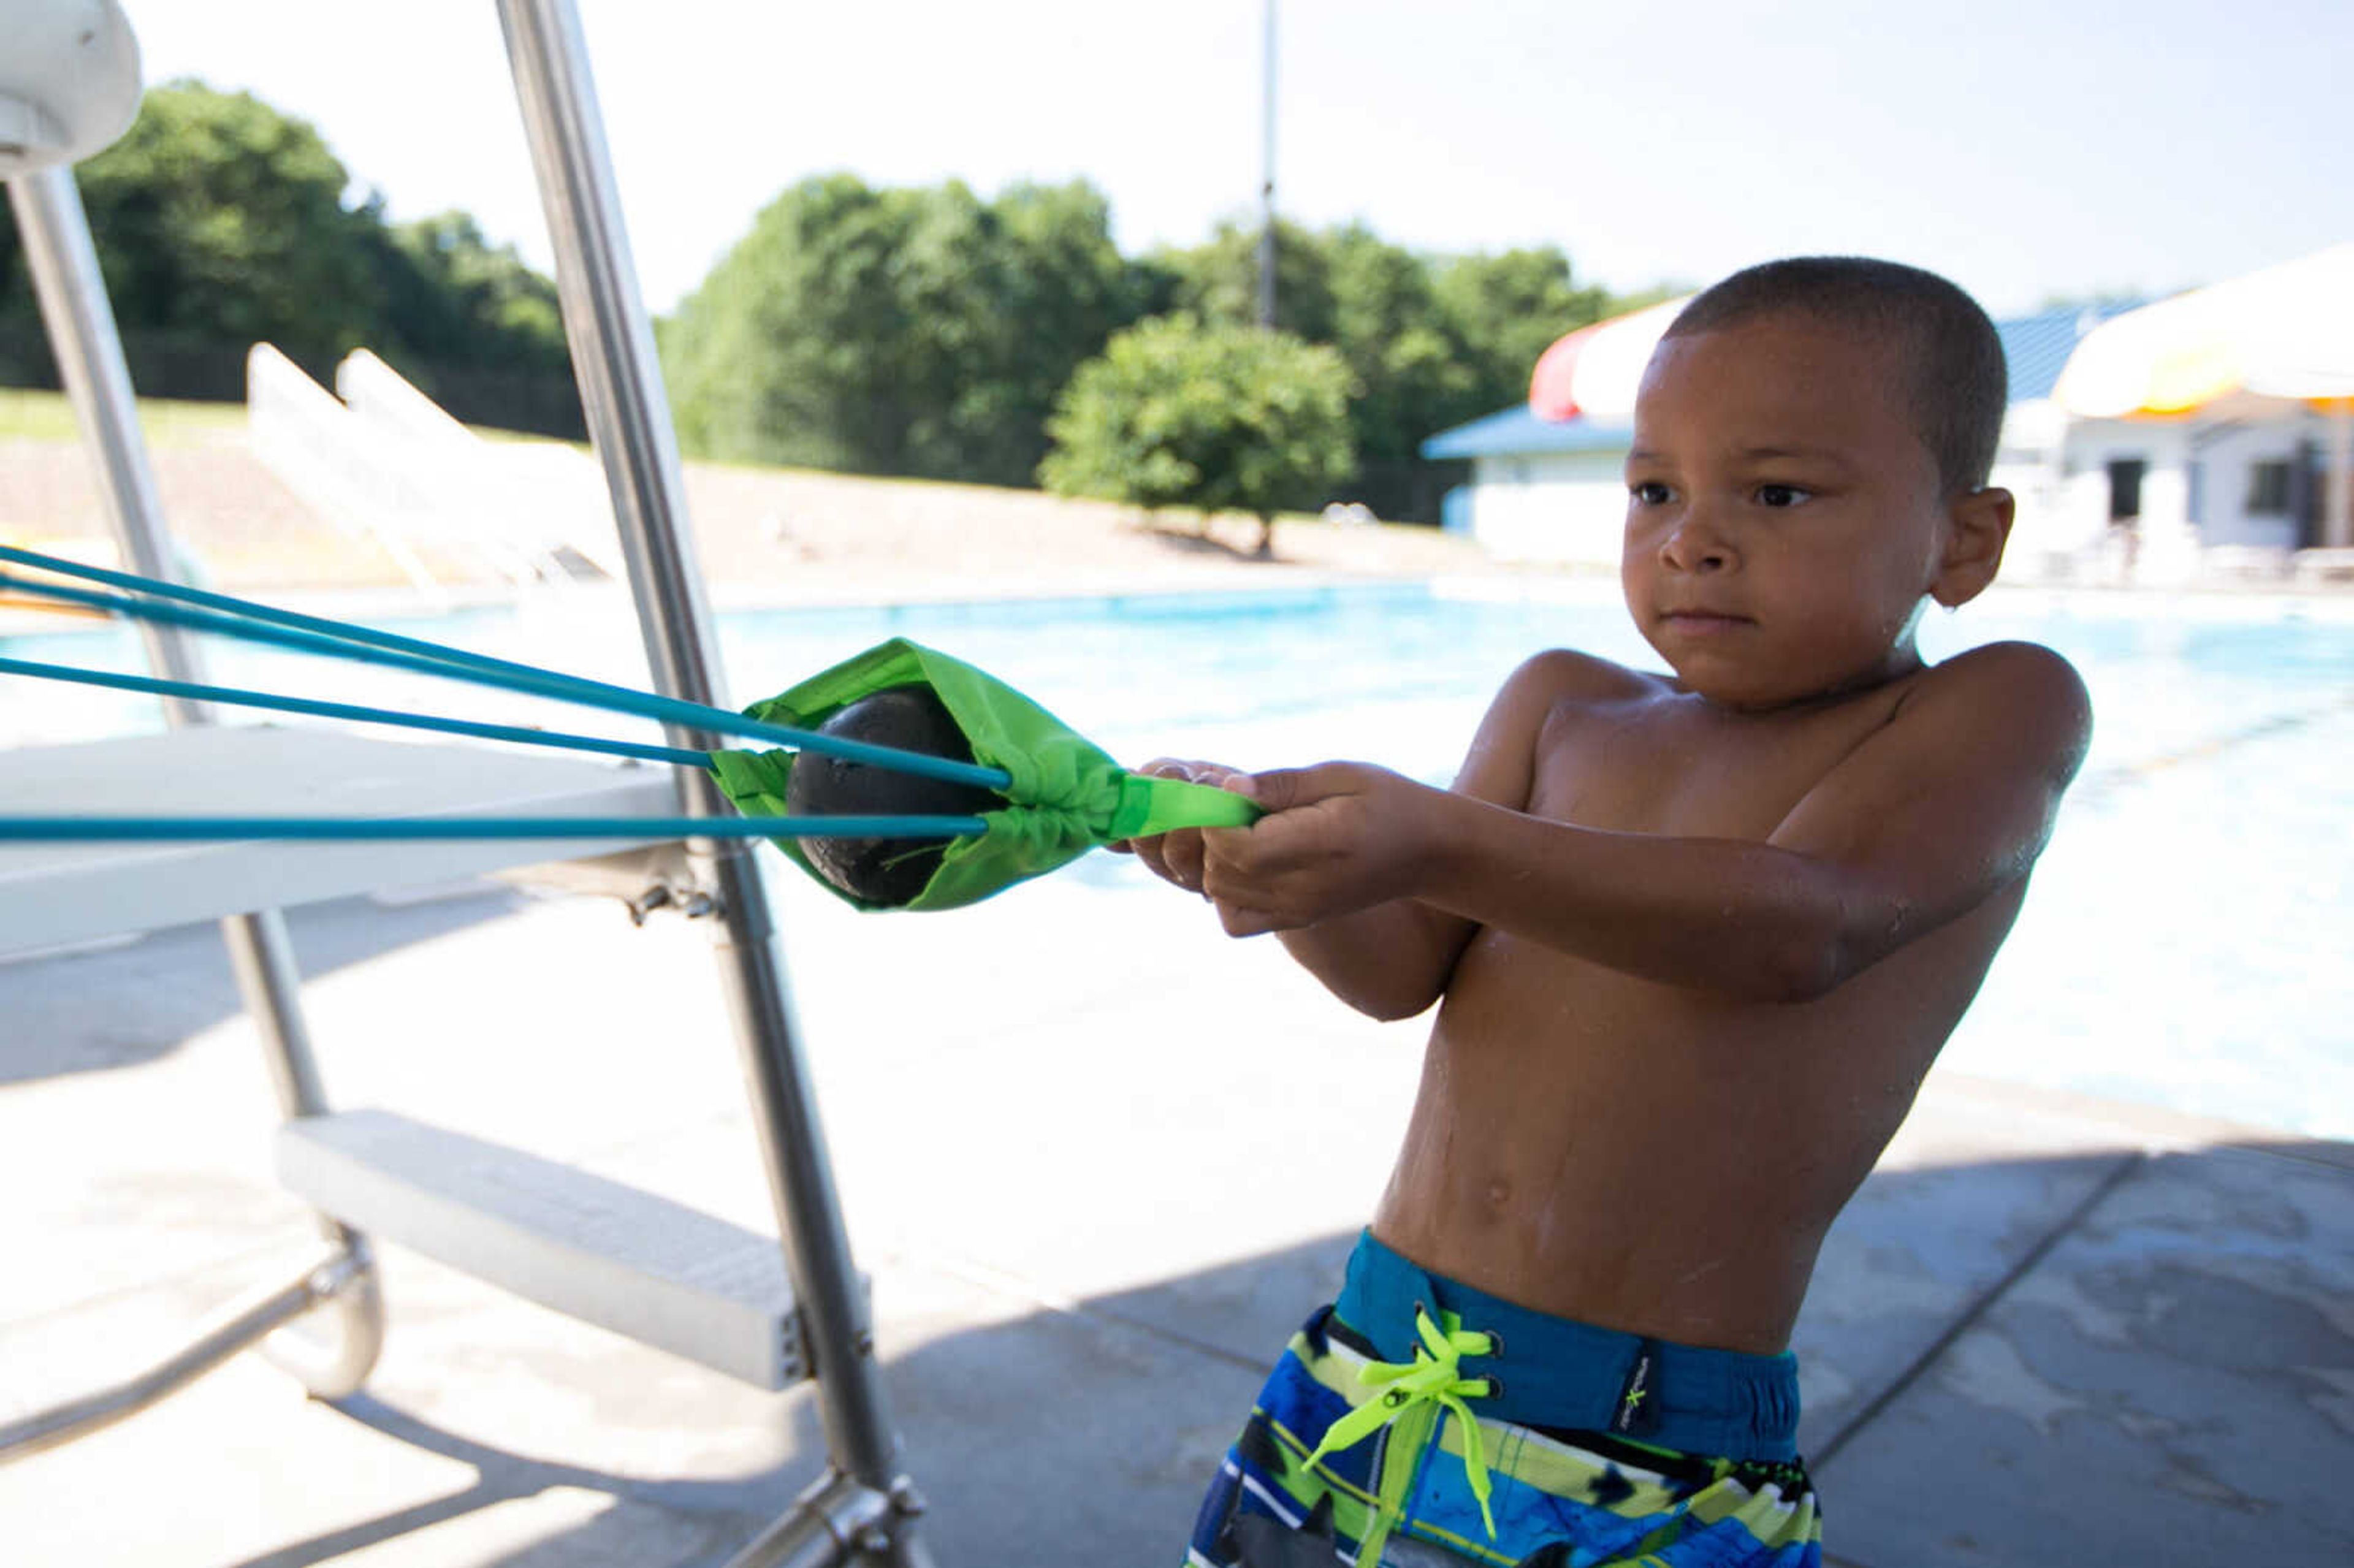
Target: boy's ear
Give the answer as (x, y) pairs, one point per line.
(1978, 526)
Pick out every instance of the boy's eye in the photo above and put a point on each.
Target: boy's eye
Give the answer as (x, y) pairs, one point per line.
(1648, 493)
(1781, 495)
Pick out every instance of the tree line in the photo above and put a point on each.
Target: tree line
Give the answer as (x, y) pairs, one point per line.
(925, 333)
(930, 333)
(219, 221)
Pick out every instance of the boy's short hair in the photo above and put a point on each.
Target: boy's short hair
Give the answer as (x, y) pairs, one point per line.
(1953, 355)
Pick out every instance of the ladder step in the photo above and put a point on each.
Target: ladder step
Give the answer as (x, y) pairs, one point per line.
(661, 1273)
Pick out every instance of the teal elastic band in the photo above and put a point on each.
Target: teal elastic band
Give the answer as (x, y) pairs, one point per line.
(236, 696)
(151, 830)
(450, 665)
(343, 630)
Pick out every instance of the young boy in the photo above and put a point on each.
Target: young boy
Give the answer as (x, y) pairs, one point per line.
(1695, 939)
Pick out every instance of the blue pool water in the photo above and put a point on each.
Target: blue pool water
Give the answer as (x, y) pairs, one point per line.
(2189, 943)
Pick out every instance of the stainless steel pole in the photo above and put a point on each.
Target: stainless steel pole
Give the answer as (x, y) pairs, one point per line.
(88, 351)
(81, 331)
(239, 1327)
(2337, 514)
(1266, 173)
(628, 419)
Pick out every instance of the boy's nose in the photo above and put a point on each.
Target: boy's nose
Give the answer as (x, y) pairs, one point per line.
(1692, 546)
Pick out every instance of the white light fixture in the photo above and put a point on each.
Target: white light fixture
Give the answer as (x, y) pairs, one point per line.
(69, 80)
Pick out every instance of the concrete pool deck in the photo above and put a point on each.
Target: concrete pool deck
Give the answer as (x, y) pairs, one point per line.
(2050, 1330)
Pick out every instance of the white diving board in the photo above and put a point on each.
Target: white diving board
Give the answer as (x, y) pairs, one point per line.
(54, 893)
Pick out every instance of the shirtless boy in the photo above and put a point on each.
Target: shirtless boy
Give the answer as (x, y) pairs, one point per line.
(1695, 938)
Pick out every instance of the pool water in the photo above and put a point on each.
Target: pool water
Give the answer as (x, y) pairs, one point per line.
(2189, 942)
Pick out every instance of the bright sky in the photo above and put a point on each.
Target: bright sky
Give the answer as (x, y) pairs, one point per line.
(2024, 147)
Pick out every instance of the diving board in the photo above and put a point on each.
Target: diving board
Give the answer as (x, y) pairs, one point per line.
(54, 893)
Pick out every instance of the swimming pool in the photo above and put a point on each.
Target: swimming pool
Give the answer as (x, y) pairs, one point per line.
(2187, 943)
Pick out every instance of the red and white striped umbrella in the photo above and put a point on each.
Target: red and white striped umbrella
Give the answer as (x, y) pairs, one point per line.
(1592, 372)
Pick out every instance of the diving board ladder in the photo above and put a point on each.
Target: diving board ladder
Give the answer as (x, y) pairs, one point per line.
(761, 1309)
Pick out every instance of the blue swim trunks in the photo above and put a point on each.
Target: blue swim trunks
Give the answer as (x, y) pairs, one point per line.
(1416, 1421)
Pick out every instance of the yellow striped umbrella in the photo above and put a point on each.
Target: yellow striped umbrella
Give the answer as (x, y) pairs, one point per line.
(2284, 334)
(2285, 331)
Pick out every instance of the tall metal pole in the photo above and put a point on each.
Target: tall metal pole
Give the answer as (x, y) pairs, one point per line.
(88, 351)
(82, 336)
(1267, 177)
(628, 419)
(2338, 509)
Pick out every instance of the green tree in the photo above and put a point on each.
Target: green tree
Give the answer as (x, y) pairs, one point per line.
(1220, 417)
(474, 327)
(219, 221)
(1401, 348)
(217, 217)
(1063, 290)
(1506, 310)
(779, 355)
(897, 332)
(451, 296)
(1429, 342)
(1219, 282)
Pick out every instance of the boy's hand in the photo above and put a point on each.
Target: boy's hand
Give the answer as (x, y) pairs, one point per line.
(1337, 838)
(1177, 856)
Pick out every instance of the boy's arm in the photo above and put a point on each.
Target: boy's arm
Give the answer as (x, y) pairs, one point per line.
(1388, 960)
(1392, 957)
(1948, 802)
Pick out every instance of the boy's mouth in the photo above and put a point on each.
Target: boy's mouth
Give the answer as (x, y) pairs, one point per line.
(1703, 623)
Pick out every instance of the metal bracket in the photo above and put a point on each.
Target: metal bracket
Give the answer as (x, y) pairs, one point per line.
(693, 903)
(655, 876)
(838, 1522)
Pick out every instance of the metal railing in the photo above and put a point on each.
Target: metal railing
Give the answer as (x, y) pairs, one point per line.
(861, 1510)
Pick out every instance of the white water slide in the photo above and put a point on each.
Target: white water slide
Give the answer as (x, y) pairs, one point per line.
(380, 460)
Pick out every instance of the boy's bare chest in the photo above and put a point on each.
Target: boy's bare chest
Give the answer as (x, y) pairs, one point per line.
(1679, 767)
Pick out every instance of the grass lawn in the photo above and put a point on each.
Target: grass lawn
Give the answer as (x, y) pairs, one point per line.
(27, 415)
(47, 417)
(765, 534)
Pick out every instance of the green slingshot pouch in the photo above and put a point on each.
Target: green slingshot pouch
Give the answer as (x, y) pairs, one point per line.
(1065, 795)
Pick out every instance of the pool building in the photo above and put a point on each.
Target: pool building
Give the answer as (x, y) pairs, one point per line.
(2242, 476)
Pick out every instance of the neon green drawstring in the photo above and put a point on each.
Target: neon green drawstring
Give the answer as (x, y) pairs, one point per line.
(1419, 1392)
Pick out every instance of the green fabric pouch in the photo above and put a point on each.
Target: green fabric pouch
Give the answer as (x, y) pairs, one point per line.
(1066, 796)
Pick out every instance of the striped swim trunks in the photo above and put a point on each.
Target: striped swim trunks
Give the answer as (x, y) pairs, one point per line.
(1418, 1421)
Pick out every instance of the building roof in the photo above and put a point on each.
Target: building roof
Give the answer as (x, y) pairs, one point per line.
(1518, 429)
(2037, 348)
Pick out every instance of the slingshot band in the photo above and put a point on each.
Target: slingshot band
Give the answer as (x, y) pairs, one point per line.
(501, 674)
(176, 829)
(342, 631)
(236, 696)
(1064, 794)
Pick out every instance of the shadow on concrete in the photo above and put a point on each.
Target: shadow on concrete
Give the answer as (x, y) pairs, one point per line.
(1177, 540)
(2143, 1357)
(729, 1512)
(1054, 1439)
(176, 982)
